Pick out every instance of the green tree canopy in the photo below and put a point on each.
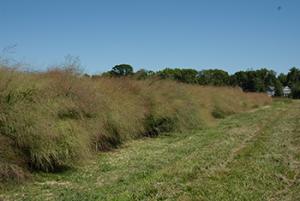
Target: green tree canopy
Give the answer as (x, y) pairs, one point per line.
(282, 78)
(214, 77)
(293, 76)
(182, 75)
(143, 74)
(121, 70)
(255, 80)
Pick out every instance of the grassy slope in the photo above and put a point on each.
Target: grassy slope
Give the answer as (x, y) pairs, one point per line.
(57, 119)
(249, 156)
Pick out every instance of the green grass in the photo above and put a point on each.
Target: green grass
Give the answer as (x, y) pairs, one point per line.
(247, 156)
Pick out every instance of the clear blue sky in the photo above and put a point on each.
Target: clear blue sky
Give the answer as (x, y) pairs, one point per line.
(231, 35)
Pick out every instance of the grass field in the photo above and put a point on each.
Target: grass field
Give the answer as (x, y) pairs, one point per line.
(60, 118)
(248, 156)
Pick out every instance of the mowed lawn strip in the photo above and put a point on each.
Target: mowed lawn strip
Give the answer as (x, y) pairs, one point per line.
(249, 156)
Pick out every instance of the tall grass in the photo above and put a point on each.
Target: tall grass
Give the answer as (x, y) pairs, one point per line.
(55, 119)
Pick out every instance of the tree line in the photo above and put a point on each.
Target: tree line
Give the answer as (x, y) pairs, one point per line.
(249, 80)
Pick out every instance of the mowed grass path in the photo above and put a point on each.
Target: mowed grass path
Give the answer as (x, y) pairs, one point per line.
(249, 156)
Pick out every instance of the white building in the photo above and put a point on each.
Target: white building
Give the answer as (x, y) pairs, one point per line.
(271, 91)
(286, 91)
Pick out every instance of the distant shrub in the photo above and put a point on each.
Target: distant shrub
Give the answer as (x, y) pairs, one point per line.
(121, 70)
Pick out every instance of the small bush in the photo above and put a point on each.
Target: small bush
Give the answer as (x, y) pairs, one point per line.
(157, 125)
(108, 142)
(219, 113)
(111, 140)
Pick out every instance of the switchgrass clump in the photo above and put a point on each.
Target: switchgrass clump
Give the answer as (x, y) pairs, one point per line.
(218, 113)
(11, 164)
(155, 126)
(58, 118)
(12, 173)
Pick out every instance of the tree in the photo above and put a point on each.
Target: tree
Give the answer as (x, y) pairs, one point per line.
(167, 73)
(121, 70)
(282, 78)
(293, 81)
(182, 75)
(278, 88)
(214, 77)
(255, 81)
(143, 74)
(293, 76)
(296, 90)
(186, 75)
(240, 79)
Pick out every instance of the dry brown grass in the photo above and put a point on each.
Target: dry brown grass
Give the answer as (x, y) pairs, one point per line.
(57, 118)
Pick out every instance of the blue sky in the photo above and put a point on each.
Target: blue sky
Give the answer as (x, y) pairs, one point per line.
(231, 35)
